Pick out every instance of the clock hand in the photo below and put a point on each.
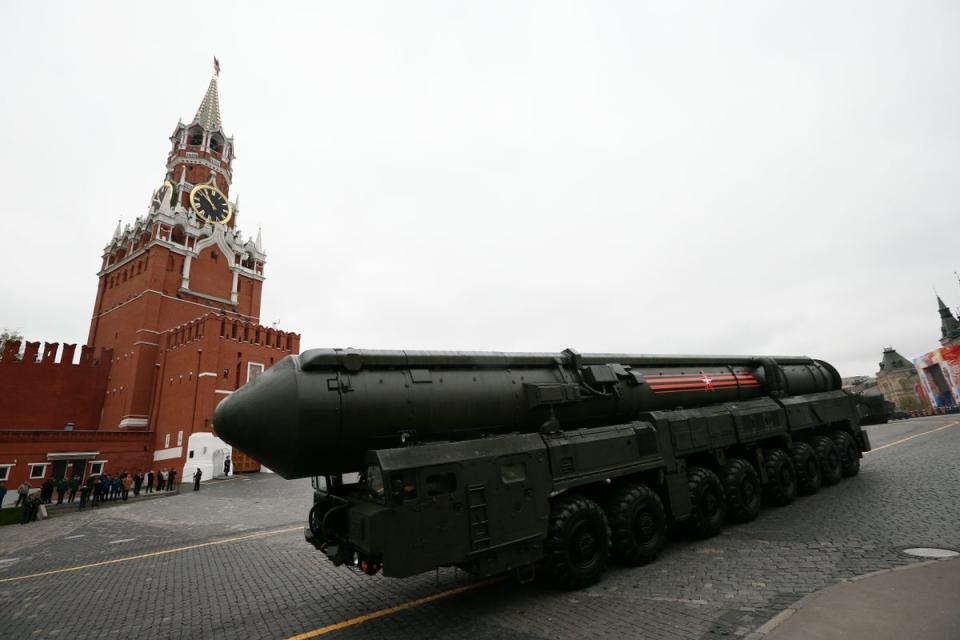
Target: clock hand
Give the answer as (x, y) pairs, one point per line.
(204, 194)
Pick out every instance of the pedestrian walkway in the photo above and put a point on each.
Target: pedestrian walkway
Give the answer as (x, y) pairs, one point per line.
(55, 509)
(917, 601)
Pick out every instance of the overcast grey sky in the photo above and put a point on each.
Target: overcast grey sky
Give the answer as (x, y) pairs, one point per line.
(735, 177)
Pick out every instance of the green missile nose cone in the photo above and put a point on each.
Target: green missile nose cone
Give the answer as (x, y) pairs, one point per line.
(262, 419)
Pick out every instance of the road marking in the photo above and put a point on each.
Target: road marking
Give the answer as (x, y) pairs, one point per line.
(79, 535)
(152, 554)
(373, 615)
(124, 540)
(916, 435)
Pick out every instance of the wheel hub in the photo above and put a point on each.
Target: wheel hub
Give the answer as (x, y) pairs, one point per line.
(785, 476)
(644, 526)
(584, 546)
(710, 503)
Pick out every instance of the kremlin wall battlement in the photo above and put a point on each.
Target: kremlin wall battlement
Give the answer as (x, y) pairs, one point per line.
(44, 391)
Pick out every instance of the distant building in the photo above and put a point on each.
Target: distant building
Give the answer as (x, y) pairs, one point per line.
(940, 369)
(899, 382)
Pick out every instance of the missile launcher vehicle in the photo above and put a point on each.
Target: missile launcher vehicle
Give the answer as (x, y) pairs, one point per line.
(539, 463)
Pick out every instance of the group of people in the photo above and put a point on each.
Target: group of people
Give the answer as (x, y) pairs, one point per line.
(103, 488)
(98, 488)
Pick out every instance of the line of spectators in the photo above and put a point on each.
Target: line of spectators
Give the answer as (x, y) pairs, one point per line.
(96, 489)
(105, 488)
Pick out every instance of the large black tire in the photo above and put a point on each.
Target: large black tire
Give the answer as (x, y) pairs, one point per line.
(741, 484)
(781, 486)
(708, 505)
(578, 543)
(829, 459)
(638, 524)
(849, 453)
(807, 466)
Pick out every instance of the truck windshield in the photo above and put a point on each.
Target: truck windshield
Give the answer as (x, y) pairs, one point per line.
(375, 481)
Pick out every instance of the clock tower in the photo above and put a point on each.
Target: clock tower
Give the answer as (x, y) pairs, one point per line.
(199, 162)
(175, 329)
(183, 261)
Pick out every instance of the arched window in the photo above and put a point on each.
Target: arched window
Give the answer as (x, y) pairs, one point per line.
(216, 143)
(195, 137)
(179, 235)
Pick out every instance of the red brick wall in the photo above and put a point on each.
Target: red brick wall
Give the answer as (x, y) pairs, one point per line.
(192, 382)
(53, 392)
(210, 273)
(121, 451)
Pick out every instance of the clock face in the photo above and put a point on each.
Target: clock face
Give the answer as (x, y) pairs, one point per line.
(210, 204)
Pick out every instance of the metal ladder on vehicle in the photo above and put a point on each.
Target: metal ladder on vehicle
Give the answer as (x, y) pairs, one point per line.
(479, 521)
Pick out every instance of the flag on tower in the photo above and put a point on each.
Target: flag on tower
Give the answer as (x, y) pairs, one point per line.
(216, 65)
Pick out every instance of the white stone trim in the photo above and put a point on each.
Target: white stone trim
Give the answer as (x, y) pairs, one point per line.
(5, 471)
(133, 423)
(251, 365)
(43, 474)
(204, 374)
(149, 344)
(218, 238)
(225, 392)
(147, 331)
(72, 455)
(206, 296)
(163, 295)
(167, 454)
(102, 463)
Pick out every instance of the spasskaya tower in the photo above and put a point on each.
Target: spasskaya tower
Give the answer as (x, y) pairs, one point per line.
(178, 299)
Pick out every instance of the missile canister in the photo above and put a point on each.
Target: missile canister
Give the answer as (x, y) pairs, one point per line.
(318, 413)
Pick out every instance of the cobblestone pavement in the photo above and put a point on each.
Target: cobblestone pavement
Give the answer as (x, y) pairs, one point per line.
(243, 569)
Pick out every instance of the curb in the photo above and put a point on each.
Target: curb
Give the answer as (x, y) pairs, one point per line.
(774, 622)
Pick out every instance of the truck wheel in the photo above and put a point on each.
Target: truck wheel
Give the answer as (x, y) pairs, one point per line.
(781, 487)
(638, 524)
(578, 543)
(807, 466)
(829, 459)
(849, 453)
(708, 506)
(741, 484)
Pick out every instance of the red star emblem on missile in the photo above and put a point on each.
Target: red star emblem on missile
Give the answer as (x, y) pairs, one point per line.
(707, 382)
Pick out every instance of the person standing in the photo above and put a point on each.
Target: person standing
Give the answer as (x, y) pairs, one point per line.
(91, 486)
(196, 479)
(46, 491)
(61, 489)
(162, 483)
(126, 483)
(226, 467)
(22, 492)
(3, 492)
(149, 481)
(99, 490)
(84, 492)
(74, 485)
(172, 480)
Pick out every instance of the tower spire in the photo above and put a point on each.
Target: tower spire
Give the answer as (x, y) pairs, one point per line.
(949, 326)
(208, 115)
